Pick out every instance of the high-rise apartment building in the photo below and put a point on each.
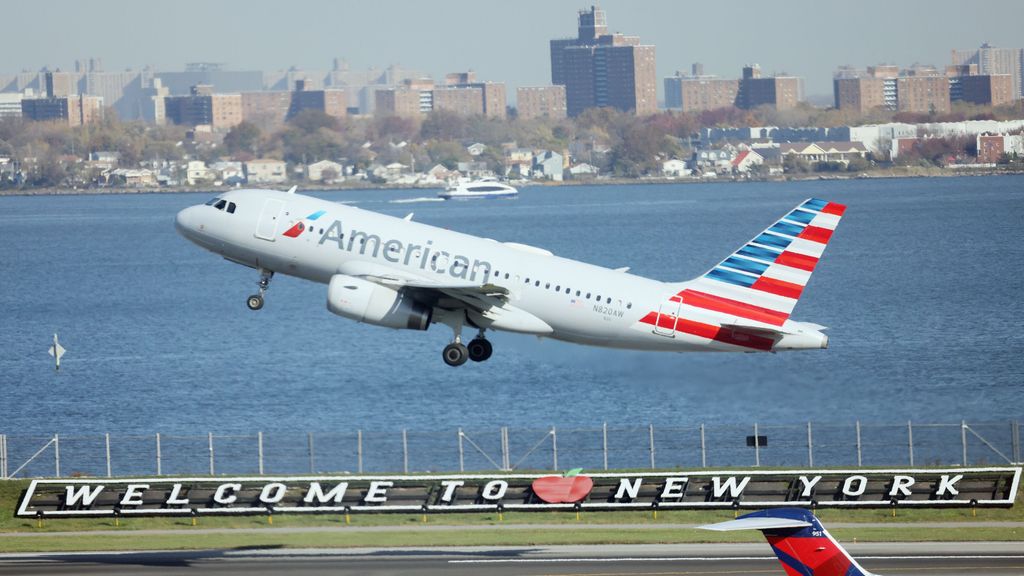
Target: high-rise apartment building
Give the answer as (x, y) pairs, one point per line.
(600, 69)
(991, 61)
(921, 89)
(540, 102)
(699, 93)
(778, 92)
(204, 107)
(75, 110)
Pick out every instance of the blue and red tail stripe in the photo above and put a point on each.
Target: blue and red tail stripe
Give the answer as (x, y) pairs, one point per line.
(808, 550)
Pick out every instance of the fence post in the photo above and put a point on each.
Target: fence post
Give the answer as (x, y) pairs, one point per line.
(209, 437)
(963, 439)
(604, 443)
(757, 448)
(56, 454)
(703, 448)
(359, 451)
(405, 451)
(1014, 439)
(859, 460)
(309, 441)
(650, 436)
(810, 445)
(3, 457)
(554, 449)
(506, 452)
(159, 464)
(259, 449)
(106, 441)
(910, 441)
(462, 454)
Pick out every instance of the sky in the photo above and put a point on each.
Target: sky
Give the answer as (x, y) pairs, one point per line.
(503, 40)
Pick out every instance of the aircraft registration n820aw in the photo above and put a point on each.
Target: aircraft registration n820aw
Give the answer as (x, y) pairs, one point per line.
(402, 274)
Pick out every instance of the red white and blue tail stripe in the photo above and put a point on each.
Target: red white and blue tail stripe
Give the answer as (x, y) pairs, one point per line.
(763, 280)
(800, 542)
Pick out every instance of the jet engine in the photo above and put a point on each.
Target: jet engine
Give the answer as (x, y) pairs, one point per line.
(365, 301)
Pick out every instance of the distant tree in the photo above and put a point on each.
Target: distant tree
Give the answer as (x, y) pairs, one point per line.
(310, 121)
(793, 164)
(243, 137)
(443, 125)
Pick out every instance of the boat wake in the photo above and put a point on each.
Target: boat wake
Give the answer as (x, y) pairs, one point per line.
(415, 200)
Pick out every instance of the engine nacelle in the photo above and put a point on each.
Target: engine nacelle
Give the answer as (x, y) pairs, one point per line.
(365, 301)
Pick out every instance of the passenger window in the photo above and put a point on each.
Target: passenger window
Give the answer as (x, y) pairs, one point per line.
(598, 298)
(558, 288)
(577, 292)
(609, 301)
(506, 275)
(231, 208)
(547, 286)
(220, 205)
(527, 281)
(537, 283)
(629, 306)
(567, 290)
(588, 295)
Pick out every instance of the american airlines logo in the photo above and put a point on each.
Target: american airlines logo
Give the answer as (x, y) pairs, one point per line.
(917, 488)
(424, 256)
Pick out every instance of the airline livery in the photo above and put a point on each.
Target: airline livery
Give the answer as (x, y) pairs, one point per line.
(799, 541)
(402, 274)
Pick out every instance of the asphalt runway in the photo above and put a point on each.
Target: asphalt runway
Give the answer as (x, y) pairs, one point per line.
(942, 559)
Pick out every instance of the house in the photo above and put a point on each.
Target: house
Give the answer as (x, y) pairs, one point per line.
(196, 172)
(229, 172)
(745, 160)
(474, 169)
(716, 160)
(476, 149)
(548, 165)
(674, 168)
(128, 177)
(324, 171)
(518, 160)
(266, 171)
(992, 147)
(815, 152)
(583, 169)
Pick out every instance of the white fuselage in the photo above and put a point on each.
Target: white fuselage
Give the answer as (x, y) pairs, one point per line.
(580, 302)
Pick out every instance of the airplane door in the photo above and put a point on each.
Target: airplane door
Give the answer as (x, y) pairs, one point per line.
(266, 227)
(667, 312)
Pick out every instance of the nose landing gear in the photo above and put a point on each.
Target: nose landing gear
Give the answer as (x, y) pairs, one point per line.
(255, 301)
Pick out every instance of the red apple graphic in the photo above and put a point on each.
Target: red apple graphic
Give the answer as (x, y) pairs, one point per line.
(563, 489)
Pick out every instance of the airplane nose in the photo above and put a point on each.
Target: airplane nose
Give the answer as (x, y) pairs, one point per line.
(185, 221)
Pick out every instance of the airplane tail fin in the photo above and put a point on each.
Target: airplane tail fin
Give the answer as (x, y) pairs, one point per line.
(800, 542)
(763, 280)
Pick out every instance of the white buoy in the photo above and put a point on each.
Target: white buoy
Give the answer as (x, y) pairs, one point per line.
(57, 351)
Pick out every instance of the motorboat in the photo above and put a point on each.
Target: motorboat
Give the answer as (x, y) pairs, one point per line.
(482, 188)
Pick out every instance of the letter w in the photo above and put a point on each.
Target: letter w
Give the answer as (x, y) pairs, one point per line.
(87, 494)
(719, 488)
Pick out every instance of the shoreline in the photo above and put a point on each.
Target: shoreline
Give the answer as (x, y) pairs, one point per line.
(906, 172)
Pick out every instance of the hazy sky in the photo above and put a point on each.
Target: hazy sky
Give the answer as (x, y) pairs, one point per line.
(505, 40)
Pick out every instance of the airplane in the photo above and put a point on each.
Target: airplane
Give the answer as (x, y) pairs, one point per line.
(800, 542)
(402, 274)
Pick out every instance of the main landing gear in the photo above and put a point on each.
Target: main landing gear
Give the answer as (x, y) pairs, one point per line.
(255, 302)
(456, 353)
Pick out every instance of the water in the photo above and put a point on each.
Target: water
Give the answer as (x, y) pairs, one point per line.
(920, 286)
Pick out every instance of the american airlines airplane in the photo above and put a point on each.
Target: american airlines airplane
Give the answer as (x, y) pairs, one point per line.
(402, 274)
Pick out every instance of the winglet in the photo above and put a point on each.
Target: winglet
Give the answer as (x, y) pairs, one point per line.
(293, 189)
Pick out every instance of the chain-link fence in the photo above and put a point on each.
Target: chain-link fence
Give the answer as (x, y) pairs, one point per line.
(599, 448)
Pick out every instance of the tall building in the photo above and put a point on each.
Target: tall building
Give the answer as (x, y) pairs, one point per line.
(921, 89)
(778, 92)
(412, 98)
(600, 69)
(540, 102)
(75, 110)
(987, 90)
(992, 61)
(204, 107)
(211, 74)
(333, 102)
(698, 93)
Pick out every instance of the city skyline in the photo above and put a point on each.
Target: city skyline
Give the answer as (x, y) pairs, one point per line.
(800, 38)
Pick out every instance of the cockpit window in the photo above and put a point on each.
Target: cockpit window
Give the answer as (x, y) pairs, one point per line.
(212, 201)
(231, 207)
(220, 205)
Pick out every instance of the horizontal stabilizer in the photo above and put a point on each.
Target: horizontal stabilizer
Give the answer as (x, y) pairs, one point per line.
(756, 524)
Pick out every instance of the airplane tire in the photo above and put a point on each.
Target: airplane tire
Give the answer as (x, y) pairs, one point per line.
(255, 302)
(480, 349)
(455, 354)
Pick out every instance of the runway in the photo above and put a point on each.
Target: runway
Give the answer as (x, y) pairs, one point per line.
(939, 559)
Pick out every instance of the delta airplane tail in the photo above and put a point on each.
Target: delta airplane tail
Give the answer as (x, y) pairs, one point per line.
(798, 539)
(763, 280)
